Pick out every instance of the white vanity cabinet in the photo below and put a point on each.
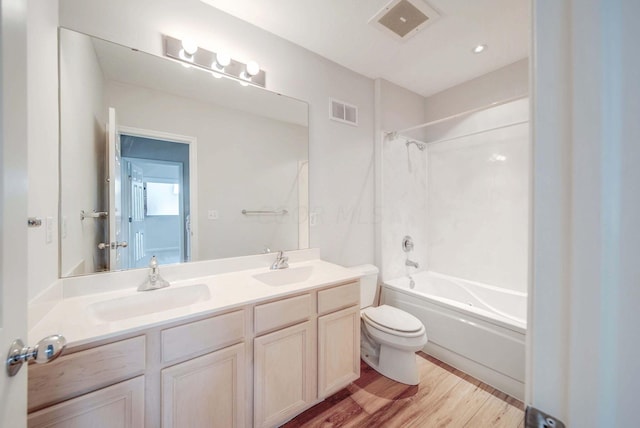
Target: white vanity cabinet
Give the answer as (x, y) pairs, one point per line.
(256, 365)
(207, 391)
(98, 387)
(284, 360)
(193, 375)
(338, 338)
(300, 365)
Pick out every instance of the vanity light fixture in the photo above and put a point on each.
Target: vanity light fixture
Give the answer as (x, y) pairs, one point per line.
(251, 70)
(189, 49)
(223, 59)
(220, 64)
(479, 49)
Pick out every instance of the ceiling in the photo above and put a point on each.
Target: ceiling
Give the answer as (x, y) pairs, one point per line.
(436, 58)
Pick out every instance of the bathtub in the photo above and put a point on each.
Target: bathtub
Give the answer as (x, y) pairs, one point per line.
(477, 328)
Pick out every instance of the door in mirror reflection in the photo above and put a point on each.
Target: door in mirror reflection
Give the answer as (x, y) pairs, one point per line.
(156, 200)
(116, 244)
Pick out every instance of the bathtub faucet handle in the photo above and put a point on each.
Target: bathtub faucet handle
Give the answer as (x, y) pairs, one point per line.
(407, 244)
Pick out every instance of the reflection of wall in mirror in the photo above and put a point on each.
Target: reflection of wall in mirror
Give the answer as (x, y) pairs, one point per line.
(245, 161)
(83, 155)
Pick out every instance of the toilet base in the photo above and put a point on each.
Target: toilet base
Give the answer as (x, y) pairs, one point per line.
(395, 364)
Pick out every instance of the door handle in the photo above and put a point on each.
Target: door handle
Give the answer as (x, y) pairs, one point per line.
(113, 245)
(48, 349)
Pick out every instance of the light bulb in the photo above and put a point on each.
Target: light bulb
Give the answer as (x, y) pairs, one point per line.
(189, 46)
(223, 59)
(253, 68)
(479, 49)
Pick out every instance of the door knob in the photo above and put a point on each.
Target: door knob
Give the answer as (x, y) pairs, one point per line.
(48, 349)
(113, 245)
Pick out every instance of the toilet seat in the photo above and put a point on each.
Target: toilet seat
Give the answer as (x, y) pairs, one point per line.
(393, 321)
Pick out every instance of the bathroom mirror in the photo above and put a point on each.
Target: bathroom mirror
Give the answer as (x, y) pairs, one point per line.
(161, 159)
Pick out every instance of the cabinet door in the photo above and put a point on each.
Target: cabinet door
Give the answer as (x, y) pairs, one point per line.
(205, 392)
(117, 406)
(285, 374)
(338, 350)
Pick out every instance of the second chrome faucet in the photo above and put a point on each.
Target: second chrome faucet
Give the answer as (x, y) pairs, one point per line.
(281, 262)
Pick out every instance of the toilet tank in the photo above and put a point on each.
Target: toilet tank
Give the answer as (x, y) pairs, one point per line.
(368, 284)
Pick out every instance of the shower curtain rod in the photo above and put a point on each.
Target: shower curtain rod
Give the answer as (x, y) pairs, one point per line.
(470, 134)
(455, 116)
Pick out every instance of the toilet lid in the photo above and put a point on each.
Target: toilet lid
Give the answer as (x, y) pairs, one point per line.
(393, 318)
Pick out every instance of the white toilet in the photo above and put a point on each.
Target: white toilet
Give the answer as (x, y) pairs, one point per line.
(390, 336)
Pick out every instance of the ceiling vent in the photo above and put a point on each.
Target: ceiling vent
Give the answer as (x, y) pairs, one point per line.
(402, 19)
(343, 112)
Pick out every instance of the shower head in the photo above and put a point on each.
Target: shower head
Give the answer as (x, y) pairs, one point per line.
(420, 146)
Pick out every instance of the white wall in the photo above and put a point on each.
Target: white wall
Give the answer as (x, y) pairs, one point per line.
(245, 161)
(341, 156)
(42, 90)
(82, 157)
(505, 83)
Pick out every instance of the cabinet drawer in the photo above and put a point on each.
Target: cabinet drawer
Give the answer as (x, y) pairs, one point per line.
(75, 374)
(199, 337)
(119, 405)
(282, 313)
(338, 297)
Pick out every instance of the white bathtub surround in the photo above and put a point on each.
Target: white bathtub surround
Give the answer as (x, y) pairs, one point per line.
(478, 197)
(477, 328)
(405, 208)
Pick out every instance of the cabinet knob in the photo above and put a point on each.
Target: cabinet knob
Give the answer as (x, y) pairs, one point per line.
(48, 349)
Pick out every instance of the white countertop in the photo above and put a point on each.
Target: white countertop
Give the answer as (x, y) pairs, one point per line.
(72, 318)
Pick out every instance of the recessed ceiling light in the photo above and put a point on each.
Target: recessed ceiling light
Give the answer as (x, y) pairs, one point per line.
(479, 49)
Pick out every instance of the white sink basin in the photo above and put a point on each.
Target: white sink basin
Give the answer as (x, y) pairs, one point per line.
(149, 302)
(287, 276)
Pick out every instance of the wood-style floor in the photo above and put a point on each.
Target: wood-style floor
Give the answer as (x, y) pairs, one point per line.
(445, 397)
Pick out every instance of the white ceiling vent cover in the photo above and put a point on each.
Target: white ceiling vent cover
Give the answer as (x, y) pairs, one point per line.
(343, 112)
(403, 19)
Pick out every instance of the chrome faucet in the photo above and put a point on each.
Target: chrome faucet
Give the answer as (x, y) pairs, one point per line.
(412, 264)
(154, 281)
(281, 262)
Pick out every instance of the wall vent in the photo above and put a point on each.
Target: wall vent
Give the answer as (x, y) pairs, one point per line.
(343, 112)
(403, 19)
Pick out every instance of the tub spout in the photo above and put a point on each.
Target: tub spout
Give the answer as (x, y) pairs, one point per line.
(412, 264)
